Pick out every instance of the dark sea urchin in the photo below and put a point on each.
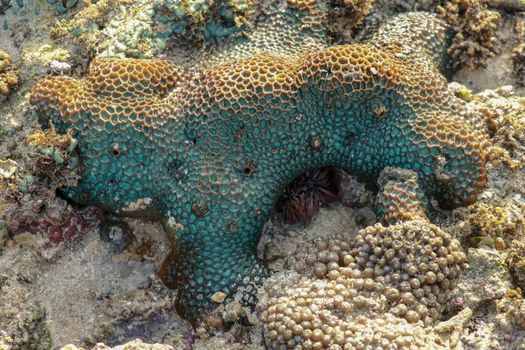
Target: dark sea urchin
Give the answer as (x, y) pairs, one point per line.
(303, 198)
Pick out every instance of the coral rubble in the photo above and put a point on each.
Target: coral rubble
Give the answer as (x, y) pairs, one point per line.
(476, 27)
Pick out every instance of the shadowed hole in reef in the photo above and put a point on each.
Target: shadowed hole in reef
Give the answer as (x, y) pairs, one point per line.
(167, 270)
(307, 193)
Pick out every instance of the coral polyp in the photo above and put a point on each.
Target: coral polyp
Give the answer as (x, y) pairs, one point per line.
(211, 152)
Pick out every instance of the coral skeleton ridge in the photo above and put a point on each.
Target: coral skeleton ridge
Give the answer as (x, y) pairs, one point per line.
(210, 150)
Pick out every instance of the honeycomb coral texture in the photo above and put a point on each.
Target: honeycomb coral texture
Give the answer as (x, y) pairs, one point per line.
(210, 153)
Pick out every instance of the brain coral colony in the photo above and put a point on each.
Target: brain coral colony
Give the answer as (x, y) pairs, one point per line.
(209, 146)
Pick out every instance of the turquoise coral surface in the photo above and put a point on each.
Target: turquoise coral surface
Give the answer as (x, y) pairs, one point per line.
(209, 151)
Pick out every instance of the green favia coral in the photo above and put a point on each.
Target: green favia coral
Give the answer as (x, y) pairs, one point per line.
(211, 154)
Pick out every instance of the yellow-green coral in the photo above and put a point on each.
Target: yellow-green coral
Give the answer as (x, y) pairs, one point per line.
(9, 78)
(45, 54)
(52, 158)
(516, 263)
(48, 143)
(476, 26)
(509, 132)
(511, 310)
(86, 25)
(485, 223)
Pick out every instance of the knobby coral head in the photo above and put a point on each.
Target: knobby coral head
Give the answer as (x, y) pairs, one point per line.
(211, 154)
